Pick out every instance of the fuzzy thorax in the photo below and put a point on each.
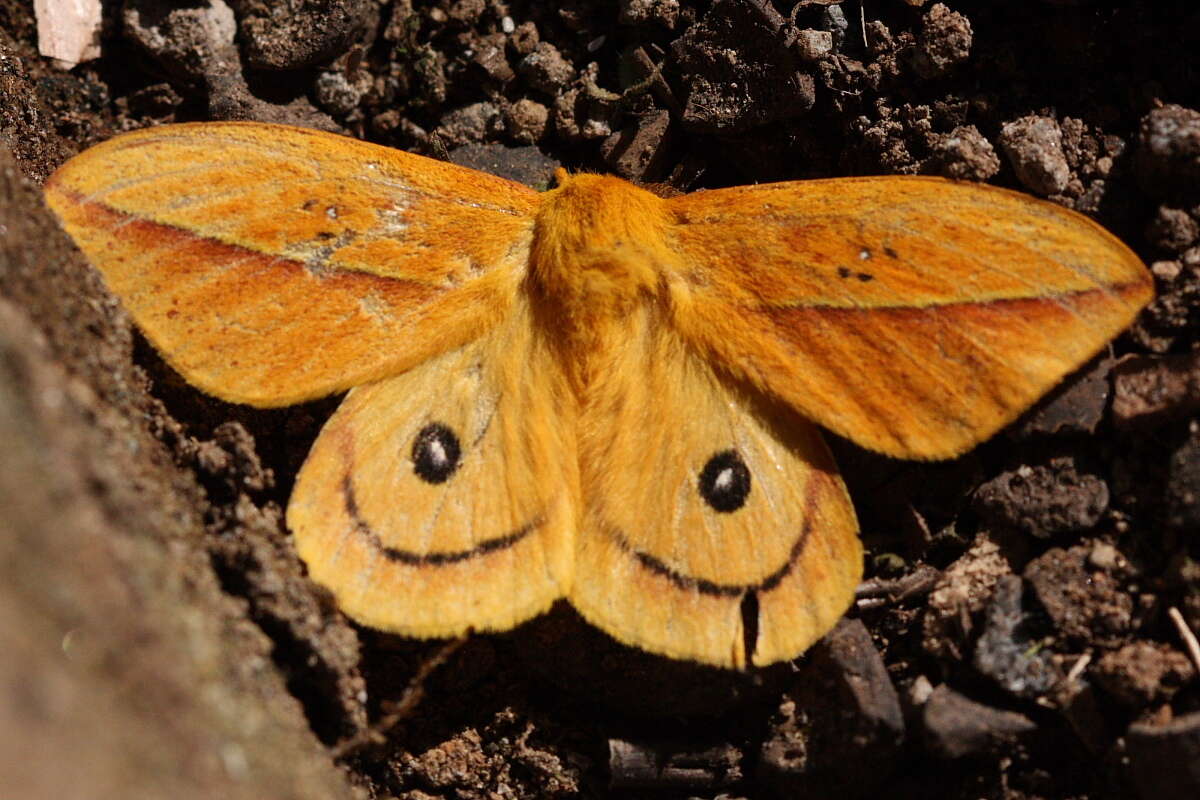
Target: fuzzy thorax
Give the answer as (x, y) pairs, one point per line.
(599, 246)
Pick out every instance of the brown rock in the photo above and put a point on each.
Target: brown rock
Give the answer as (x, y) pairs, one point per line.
(956, 726)
(639, 150)
(1164, 760)
(842, 711)
(1087, 605)
(1077, 405)
(812, 45)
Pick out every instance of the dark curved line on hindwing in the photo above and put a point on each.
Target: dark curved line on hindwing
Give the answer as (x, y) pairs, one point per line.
(711, 588)
(429, 559)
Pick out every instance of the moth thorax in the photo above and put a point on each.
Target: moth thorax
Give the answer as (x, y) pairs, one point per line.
(599, 244)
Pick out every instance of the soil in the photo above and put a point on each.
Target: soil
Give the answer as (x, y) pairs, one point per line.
(1015, 634)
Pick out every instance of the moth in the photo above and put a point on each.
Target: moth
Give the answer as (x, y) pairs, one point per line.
(590, 393)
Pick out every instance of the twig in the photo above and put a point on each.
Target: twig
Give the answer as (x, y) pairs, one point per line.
(879, 592)
(1077, 668)
(413, 694)
(1185, 633)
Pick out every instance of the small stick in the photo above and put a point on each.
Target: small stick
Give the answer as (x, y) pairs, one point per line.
(1185, 633)
(1077, 668)
(880, 591)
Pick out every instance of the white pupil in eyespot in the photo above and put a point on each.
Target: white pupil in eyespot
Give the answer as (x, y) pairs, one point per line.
(724, 480)
(437, 453)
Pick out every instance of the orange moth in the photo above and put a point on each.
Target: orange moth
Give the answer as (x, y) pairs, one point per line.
(590, 393)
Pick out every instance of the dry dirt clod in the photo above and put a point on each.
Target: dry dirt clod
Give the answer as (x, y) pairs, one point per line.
(741, 73)
(812, 45)
(299, 33)
(526, 165)
(1143, 673)
(462, 11)
(642, 12)
(1167, 159)
(495, 760)
(491, 58)
(526, 121)
(1043, 500)
(1087, 606)
(524, 39)
(1034, 147)
(963, 154)
(335, 93)
(546, 70)
(1172, 230)
(470, 123)
(943, 43)
(963, 590)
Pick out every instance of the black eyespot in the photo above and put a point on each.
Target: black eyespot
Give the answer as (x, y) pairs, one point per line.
(436, 453)
(725, 481)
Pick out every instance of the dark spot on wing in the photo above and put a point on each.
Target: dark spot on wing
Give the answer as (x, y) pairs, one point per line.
(725, 481)
(436, 453)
